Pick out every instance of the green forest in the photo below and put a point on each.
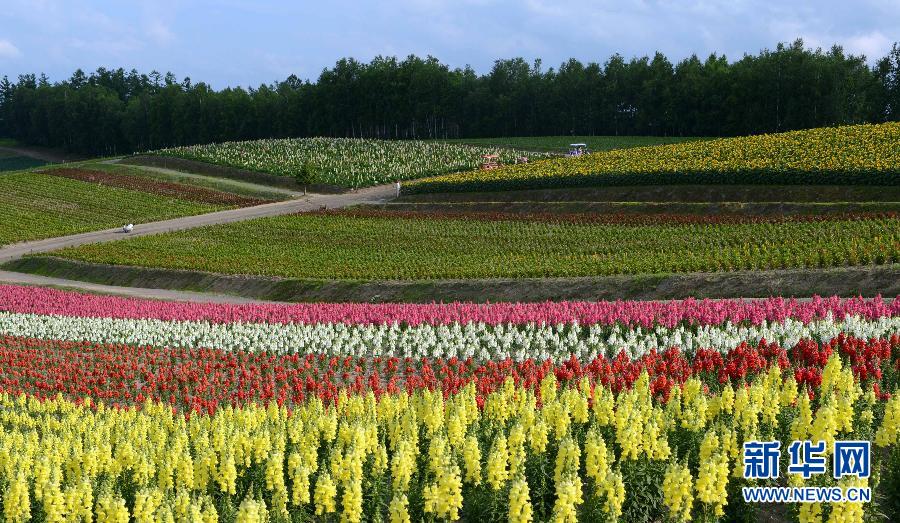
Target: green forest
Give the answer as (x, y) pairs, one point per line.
(113, 111)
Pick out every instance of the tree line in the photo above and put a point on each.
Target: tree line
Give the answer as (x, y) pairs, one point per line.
(790, 87)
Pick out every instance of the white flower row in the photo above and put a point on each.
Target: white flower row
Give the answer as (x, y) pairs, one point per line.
(477, 340)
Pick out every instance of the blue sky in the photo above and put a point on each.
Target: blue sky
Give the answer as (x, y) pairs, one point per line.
(246, 42)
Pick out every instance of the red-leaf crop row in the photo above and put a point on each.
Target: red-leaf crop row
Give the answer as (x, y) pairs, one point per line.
(181, 191)
(202, 380)
(40, 300)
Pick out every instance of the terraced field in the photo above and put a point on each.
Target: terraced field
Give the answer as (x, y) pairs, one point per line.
(36, 205)
(420, 248)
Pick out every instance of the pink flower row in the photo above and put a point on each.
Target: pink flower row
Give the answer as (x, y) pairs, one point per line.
(40, 300)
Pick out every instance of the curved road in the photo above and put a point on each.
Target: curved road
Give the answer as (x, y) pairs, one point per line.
(310, 202)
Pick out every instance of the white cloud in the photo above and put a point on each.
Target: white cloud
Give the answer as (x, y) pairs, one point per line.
(159, 32)
(8, 50)
(874, 45)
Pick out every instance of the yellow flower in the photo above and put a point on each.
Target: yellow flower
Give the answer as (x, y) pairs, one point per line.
(537, 437)
(352, 501)
(694, 405)
(548, 388)
(519, 502)
(472, 460)
(712, 482)
(802, 424)
(516, 444)
(145, 504)
(111, 510)
(677, 492)
(568, 497)
(444, 497)
(403, 465)
(603, 406)
(788, 391)
(398, 511)
(614, 488)
(595, 456)
(324, 496)
(251, 511)
(825, 426)
(810, 513)
(16, 504)
(889, 431)
(228, 475)
(726, 404)
(567, 459)
(497, 472)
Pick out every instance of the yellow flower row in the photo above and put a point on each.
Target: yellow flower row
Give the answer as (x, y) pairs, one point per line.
(850, 154)
(404, 457)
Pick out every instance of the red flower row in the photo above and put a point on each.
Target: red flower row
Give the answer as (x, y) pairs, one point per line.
(201, 380)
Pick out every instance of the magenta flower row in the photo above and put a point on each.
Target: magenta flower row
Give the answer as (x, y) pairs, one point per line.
(39, 300)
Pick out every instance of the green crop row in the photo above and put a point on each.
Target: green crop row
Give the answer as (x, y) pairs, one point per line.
(849, 155)
(35, 205)
(345, 247)
(345, 162)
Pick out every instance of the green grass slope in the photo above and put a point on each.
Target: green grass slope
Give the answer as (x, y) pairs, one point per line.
(35, 206)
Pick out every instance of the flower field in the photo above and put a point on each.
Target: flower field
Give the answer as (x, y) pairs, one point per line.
(345, 162)
(119, 409)
(386, 247)
(850, 155)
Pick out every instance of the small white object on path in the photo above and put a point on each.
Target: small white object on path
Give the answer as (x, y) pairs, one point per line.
(128, 228)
